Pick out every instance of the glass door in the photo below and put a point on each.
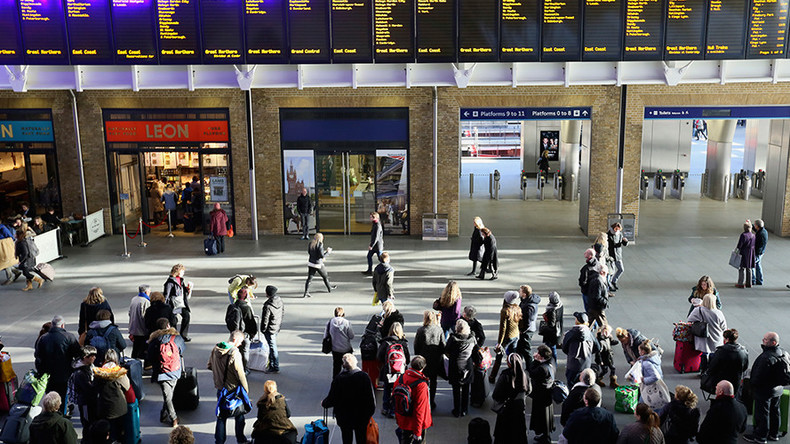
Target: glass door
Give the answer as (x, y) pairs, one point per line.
(345, 191)
(128, 208)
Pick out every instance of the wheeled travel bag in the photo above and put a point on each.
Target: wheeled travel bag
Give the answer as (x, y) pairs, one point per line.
(687, 359)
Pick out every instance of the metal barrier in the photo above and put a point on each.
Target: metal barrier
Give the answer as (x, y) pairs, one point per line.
(703, 186)
(758, 183)
(571, 189)
(660, 186)
(471, 185)
(524, 180)
(541, 184)
(725, 186)
(678, 184)
(644, 186)
(558, 186)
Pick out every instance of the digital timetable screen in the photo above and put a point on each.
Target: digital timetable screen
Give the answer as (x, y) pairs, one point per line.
(265, 31)
(436, 31)
(351, 31)
(308, 29)
(519, 31)
(726, 36)
(179, 36)
(11, 50)
(222, 31)
(393, 31)
(767, 29)
(685, 31)
(603, 30)
(43, 32)
(134, 32)
(561, 30)
(644, 30)
(478, 31)
(90, 38)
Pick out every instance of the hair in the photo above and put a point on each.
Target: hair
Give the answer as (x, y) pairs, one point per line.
(88, 350)
(339, 312)
(462, 327)
(589, 253)
(111, 355)
(176, 270)
(646, 346)
(526, 289)
(592, 397)
(485, 231)
(317, 239)
(450, 294)
(95, 296)
(374, 215)
(759, 223)
(479, 222)
(709, 301)
(747, 227)
(269, 392)
(103, 315)
(388, 307)
(617, 225)
(21, 232)
(145, 288)
(349, 361)
(162, 323)
(602, 238)
(601, 267)
(544, 351)
(396, 330)
(418, 363)
(686, 396)
(513, 312)
(51, 401)
(429, 318)
(181, 435)
(711, 288)
(587, 376)
(647, 417)
(242, 294)
(235, 335)
(252, 281)
(385, 256)
(731, 336)
(157, 296)
(621, 333)
(57, 321)
(470, 311)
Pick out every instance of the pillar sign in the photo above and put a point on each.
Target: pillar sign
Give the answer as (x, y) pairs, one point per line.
(575, 113)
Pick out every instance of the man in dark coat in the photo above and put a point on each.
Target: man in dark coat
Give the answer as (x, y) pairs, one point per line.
(51, 426)
(575, 399)
(303, 207)
(271, 322)
(383, 277)
(760, 241)
(746, 249)
(729, 362)
(246, 324)
(587, 274)
(376, 245)
(767, 383)
(598, 296)
(591, 424)
(490, 259)
(54, 353)
(354, 400)
(529, 311)
(726, 418)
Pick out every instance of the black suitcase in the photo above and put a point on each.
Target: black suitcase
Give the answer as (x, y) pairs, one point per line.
(373, 325)
(189, 223)
(210, 246)
(479, 432)
(479, 390)
(134, 369)
(186, 396)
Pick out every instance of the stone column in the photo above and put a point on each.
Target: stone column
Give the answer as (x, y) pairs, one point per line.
(720, 134)
(570, 144)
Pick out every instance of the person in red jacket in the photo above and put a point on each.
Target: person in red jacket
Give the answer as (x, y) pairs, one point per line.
(219, 226)
(411, 429)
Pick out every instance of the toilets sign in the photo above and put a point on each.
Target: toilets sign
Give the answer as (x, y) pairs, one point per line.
(575, 113)
(166, 131)
(717, 112)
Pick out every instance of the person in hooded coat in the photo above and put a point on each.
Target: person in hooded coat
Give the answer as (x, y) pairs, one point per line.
(339, 329)
(460, 347)
(429, 343)
(509, 394)
(580, 346)
(551, 327)
(541, 374)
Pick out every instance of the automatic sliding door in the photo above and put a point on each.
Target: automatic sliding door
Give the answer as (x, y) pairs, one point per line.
(345, 191)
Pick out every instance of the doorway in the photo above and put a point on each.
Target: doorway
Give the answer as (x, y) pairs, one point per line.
(345, 191)
(127, 194)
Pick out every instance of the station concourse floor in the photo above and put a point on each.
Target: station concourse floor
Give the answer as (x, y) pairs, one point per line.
(539, 243)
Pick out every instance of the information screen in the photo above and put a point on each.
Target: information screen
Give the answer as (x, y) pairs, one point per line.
(134, 32)
(726, 29)
(43, 32)
(767, 29)
(603, 30)
(222, 31)
(11, 52)
(352, 40)
(436, 31)
(644, 30)
(265, 31)
(179, 37)
(308, 26)
(90, 32)
(519, 31)
(685, 32)
(561, 30)
(478, 31)
(393, 30)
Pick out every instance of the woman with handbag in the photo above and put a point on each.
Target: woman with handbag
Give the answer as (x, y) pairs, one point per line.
(716, 324)
(509, 396)
(337, 338)
(273, 425)
(746, 249)
(541, 375)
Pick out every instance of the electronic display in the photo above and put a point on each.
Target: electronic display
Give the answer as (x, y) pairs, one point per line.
(265, 31)
(436, 31)
(685, 31)
(519, 26)
(11, 51)
(134, 32)
(603, 30)
(767, 29)
(644, 30)
(308, 28)
(222, 31)
(90, 38)
(179, 36)
(561, 30)
(352, 33)
(393, 31)
(478, 31)
(726, 37)
(43, 32)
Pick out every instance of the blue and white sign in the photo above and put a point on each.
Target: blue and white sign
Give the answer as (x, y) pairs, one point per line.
(26, 131)
(577, 113)
(718, 112)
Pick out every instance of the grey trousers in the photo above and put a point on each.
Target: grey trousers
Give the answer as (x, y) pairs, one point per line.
(168, 412)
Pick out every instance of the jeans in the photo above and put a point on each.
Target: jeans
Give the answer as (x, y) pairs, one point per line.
(168, 412)
(745, 276)
(185, 316)
(757, 276)
(766, 416)
(219, 430)
(305, 219)
(371, 252)
(586, 304)
(619, 272)
(244, 350)
(220, 243)
(271, 341)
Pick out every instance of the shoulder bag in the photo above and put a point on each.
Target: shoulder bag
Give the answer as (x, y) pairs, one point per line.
(326, 344)
(699, 329)
(232, 403)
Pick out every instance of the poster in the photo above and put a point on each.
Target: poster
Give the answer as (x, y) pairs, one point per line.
(550, 141)
(219, 188)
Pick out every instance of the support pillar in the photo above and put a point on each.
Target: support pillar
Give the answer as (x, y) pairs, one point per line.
(720, 134)
(570, 144)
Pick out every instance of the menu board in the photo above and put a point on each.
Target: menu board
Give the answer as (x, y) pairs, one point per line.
(11, 51)
(393, 30)
(265, 31)
(90, 38)
(134, 32)
(519, 39)
(561, 30)
(478, 31)
(726, 36)
(644, 30)
(351, 31)
(308, 28)
(767, 29)
(43, 32)
(685, 31)
(222, 31)
(603, 30)
(436, 31)
(179, 37)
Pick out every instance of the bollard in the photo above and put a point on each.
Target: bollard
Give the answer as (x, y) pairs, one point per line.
(142, 240)
(125, 250)
(169, 225)
(490, 185)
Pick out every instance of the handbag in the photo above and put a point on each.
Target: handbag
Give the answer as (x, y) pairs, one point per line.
(6, 368)
(232, 403)
(699, 329)
(656, 395)
(231, 233)
(326, 344)
(735, 258)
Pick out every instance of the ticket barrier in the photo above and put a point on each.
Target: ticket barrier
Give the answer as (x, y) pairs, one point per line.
(541, 183)
(660, 186)
(558, 191)
(678, 184)
(758, 184)
(494, 184)
(743, 185)
(524, 179)
(644, 185)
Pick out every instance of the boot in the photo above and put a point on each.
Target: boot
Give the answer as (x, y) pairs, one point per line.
(601, 383)
(38, 281)
(613, 381)
(17, 273)
(29, 285)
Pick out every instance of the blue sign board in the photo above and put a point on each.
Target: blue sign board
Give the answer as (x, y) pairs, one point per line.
(26, 131)
(718, 112)
(576, 113)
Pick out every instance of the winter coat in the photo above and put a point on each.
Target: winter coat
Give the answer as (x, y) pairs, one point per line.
(248, 324)
(586, 274)
(575, 400)
(272, 315)
(580, 346)
(601, 252)
(716, 326)
(272, 420)
(508, 328)
(153, 357)
(490, 255)
(592, 425)
(635, 433)
(724, 423)
(316, 254)
(339, 329)
(746, 248)
(450, 314)
(111, 334)
(52, 428)
(651, 367)
(616, 243)
(429, 343)
(729, 362)
(760, 241)
(235, 284)
(693, 295)
(156, 311)
(54, 353)
(176, 294)
(631, 350)
(553, 318)
(541, 376)
(386, 323)
(477, 329)
(766, 373)
(303, 204)
(24, 253)
(112, 385)
(84, 389)
(598, 293)
(227, 367)
(137, 308)
(353, 398)
(459, 351)
(219, 222)
(169, 198)
(383, 276)
(683, 422)
(376, 237)
(384, 346)
(421, 415)
(88, 314)
(605, 357)
(529, 313)
(476, 248)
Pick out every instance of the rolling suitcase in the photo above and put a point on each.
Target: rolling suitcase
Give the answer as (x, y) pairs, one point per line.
(45, 271)
(134, 370)
(131, 422)
(687, 359)
(210, 246)
(186, 396)
(479, 431)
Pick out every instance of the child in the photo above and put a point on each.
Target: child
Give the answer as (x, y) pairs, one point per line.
(604, 358)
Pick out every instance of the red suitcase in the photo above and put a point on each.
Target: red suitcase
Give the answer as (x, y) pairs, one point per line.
(687, 359)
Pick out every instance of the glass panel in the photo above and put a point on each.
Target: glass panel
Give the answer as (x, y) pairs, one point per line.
(299, 173)
(45, 183)
(392, 191)
(13, 182)
(216, 186)
(329, 187)
(362, 198)
(128, 167)
(175, 169)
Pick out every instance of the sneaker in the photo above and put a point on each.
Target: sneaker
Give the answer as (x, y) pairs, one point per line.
(773, 438)
(367, 273)
(752, 438)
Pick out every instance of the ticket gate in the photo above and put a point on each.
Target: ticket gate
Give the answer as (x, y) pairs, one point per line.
(678, 184)
(494, 185)
(558, 191)
(758, 183)
(660, 185)
(742, 185)
(541, 184)
(644, 185)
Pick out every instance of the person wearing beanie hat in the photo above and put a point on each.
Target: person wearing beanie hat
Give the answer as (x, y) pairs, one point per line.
(509, 317)
(511, 297)
(271, 322)
(580, 346)
(551, 325)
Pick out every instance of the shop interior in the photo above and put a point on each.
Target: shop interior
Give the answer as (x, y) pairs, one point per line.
(28, 177)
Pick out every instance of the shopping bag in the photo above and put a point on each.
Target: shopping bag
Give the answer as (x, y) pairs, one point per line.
(656, 395)
(735, 258)
(6, 368)
(259, 356)
(375, 298)
(635, 373)
(231, 233)
(625, 398)
(682, 332)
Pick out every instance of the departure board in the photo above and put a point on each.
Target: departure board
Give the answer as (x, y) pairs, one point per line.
(684, 37)
(179, 36)
(352, 38)
(562, 24)
(11, 50)
(43, 32)
(393, 31)
(222, 31)
(644, 30)
(519, 33)
(436, 31)
(767, 29)
(603, 30)
(90, 37)
(478, 31)
(308, 28)
(265, 31)
(134, 32)
(726, 37)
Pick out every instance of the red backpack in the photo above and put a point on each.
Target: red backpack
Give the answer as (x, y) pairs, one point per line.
(169, 358)
(402, 396)
(396, 359)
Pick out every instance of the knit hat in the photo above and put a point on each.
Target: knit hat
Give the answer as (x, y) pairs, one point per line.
(511, 297)
(554, 300)
(581, 317)
(271, 290)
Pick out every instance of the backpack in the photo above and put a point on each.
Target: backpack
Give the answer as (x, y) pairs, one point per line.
(396, 359)
(559, 391)
(31, 245)
(369, 346)
(169, 358)
(233, 317)
(485, 359)
(100, 342)
(402, 396)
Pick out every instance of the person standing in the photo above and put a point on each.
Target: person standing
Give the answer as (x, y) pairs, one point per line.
(645, 430)
(170, 199)
(54, 353)
(353, 399)
(393, 354)
(137, 330)
(729, 362)
(177, 294)
(158, 309)
(476, 249)
(411, 429)
(529, 311)
(51, 426)
(509, 394)
(552, 326)
(271, 322)
(112, 339)
(429, 343)
(246, 324)
(273, 424)
(383, 279)
(26, 251)
(315, 264)
(587, 274)
(339, 329)
(165, 350)
(541, 374)
(114, 389)
(768, 377)
(507, 338)
(580, 346)
(449, 303)
(680, 418)
(591, 424)
(376, 245)
(760, 242)
(81, 390)
(717, 323)
(575, 399)
(598, 297)
(490, 258)
(616, 243)
(726, 418)
(90, 306)
(303, 207)
(460, 346)
(227, 368)
(219, 226)
(746, 248)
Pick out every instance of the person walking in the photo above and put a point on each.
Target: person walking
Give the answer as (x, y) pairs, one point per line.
(729, 362)
(449, 304)
(598, 297)
(315, 263)
(26, 251)
(411, 429)
(429, 343)
(707, 312)
(273, 425)
(271, 322)
(587, 274)
(177, 294)
(490, 258)
(746, 248)
(90, 306)
(760, 242)
(541, 375)
(476, 248)
(726, 418)
(240, 316)
(51, 426)
(616, 243)
(353, 399)
(219, 224)
(158, 309)
(768, 379)
(376, 245)
(339, 329)
(137, 330)
(510, 391)
(460, 347)
(114, 389)
(383, 279)
(393, 354)
(304, 207)
(165, 352)
(227, 368)
(54, 353)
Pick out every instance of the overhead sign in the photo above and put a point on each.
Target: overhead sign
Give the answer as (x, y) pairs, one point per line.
(157, 131)
(577, 113)
(26, 131)
(718, 112)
